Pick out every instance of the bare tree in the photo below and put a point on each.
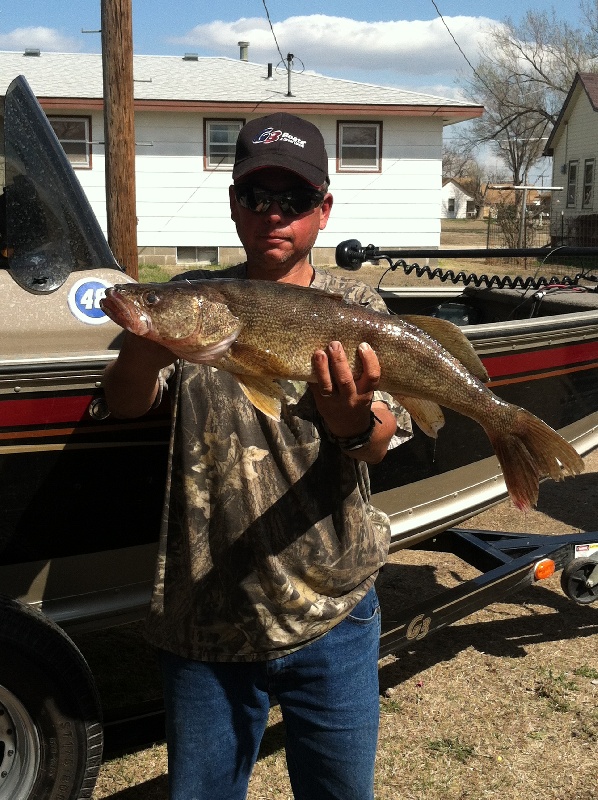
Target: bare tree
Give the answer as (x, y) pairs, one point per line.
(523, 79)
(457, 159)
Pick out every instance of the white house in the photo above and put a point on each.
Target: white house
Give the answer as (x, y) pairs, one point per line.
(573, 145)
(384, 147)
(456, 203)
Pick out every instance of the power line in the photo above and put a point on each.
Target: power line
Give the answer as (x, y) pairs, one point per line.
(473, 69)
(272, 29)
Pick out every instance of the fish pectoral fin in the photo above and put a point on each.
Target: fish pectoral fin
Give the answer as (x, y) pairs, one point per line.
(207, 354)
(452, 338)
(257, 361)
(265, 394)
(427, 414)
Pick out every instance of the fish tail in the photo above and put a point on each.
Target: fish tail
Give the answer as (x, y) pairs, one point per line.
(530, 450)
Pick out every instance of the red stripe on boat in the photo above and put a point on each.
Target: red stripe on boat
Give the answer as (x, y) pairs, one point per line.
(532, 361)
(44, 410)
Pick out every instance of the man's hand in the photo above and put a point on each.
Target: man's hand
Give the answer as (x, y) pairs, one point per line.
(131, 382)
(344, 401)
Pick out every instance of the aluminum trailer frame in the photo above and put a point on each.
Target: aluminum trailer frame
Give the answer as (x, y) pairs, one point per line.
(507, 562)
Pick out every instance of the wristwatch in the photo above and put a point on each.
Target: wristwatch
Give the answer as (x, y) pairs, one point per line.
(360, 440)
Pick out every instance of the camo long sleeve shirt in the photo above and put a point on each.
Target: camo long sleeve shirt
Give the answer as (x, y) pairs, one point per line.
(269, 538)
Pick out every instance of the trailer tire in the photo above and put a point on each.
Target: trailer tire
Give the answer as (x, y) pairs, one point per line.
(573, 581)
(50, 719)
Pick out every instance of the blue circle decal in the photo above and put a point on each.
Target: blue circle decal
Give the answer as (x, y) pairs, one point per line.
(84, 300)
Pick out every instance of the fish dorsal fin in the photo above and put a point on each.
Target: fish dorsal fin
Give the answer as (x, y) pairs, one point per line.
(452, 338)
(427, 414)
(265, 394)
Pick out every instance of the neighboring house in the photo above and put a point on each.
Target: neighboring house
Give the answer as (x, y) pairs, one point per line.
(456, 202)
(573, 145)
(495, 199)
(384, 147)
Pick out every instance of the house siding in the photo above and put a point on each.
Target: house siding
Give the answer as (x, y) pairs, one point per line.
(577, 141)
(181, 204)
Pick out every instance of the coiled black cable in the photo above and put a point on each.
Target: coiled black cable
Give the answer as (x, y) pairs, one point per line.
(494, 281)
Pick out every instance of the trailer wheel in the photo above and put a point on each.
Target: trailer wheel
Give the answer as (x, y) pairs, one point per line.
(574, 580)
(50, 720)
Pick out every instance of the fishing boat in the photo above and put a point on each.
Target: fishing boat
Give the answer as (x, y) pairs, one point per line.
(62, 455)
(81, 491)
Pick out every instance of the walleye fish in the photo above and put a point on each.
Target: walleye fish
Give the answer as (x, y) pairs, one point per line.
(263, 331)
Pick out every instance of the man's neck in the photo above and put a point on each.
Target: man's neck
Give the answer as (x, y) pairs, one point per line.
(301, 274)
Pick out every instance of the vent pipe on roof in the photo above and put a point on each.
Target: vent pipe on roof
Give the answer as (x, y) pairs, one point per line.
(244, 50)
(191, 57)
(32, 51)
(269, 70)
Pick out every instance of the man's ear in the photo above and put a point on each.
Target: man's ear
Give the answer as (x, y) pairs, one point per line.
(325, 209)
(232, 202)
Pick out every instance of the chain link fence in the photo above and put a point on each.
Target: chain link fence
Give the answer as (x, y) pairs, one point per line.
(537, 229)
(581, 231)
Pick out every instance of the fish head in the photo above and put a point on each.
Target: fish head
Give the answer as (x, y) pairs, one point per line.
(193, 325)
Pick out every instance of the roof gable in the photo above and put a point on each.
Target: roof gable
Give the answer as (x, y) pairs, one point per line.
(586, 81)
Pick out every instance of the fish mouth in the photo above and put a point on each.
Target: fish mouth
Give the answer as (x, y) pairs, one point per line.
(125, 313)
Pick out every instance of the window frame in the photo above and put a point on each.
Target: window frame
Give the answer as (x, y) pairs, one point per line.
(340, 126)
(208, 167)
(587, 197)
(572, 184)
(88, 164)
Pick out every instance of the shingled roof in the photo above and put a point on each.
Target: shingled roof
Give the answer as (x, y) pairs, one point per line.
(74, 80)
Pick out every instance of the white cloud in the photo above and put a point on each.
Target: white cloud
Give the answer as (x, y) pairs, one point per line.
(418, 47)
(48, 39)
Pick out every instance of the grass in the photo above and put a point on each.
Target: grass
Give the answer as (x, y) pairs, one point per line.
(153, 273)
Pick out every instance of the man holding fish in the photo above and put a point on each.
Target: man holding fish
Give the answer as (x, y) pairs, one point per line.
(270, 546)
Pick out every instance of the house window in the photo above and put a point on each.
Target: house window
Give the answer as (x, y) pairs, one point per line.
(588, 184)
(200, 256)
(571, 184)
(74, 134)
(470, 208)
(220, 137)
(359, 146)
(451, 205)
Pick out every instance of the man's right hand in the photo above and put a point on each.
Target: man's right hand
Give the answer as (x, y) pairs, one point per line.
(131, 382)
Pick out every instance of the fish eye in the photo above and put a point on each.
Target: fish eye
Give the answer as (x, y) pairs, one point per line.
(151, 298)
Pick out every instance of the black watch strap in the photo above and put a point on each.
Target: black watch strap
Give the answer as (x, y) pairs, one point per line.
(360, 440)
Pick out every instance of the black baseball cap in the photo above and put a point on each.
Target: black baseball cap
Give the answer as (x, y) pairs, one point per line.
(282, 140)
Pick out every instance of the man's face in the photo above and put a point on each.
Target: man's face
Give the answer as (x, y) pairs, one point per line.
(275, 241)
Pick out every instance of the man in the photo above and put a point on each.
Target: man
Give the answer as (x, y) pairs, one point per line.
(270, 546)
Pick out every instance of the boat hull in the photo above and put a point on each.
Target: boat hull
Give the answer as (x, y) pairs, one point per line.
(82, 493)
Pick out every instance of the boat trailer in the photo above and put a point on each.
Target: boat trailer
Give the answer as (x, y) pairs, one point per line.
(507, 562)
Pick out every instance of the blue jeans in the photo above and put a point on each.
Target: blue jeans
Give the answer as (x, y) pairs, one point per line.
(216, 714)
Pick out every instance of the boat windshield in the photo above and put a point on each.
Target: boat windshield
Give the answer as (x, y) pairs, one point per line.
(47, 226)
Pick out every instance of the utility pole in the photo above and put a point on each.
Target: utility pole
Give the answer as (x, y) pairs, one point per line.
(119, 132)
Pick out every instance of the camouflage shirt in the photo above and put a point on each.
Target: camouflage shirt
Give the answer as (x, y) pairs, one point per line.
(268, 536)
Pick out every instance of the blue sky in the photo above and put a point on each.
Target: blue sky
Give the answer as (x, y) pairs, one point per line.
(391, 43)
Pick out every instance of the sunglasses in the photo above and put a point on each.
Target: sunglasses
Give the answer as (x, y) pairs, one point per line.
(291, 202)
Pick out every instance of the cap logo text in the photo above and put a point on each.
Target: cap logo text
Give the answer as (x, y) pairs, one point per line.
(269, 135)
